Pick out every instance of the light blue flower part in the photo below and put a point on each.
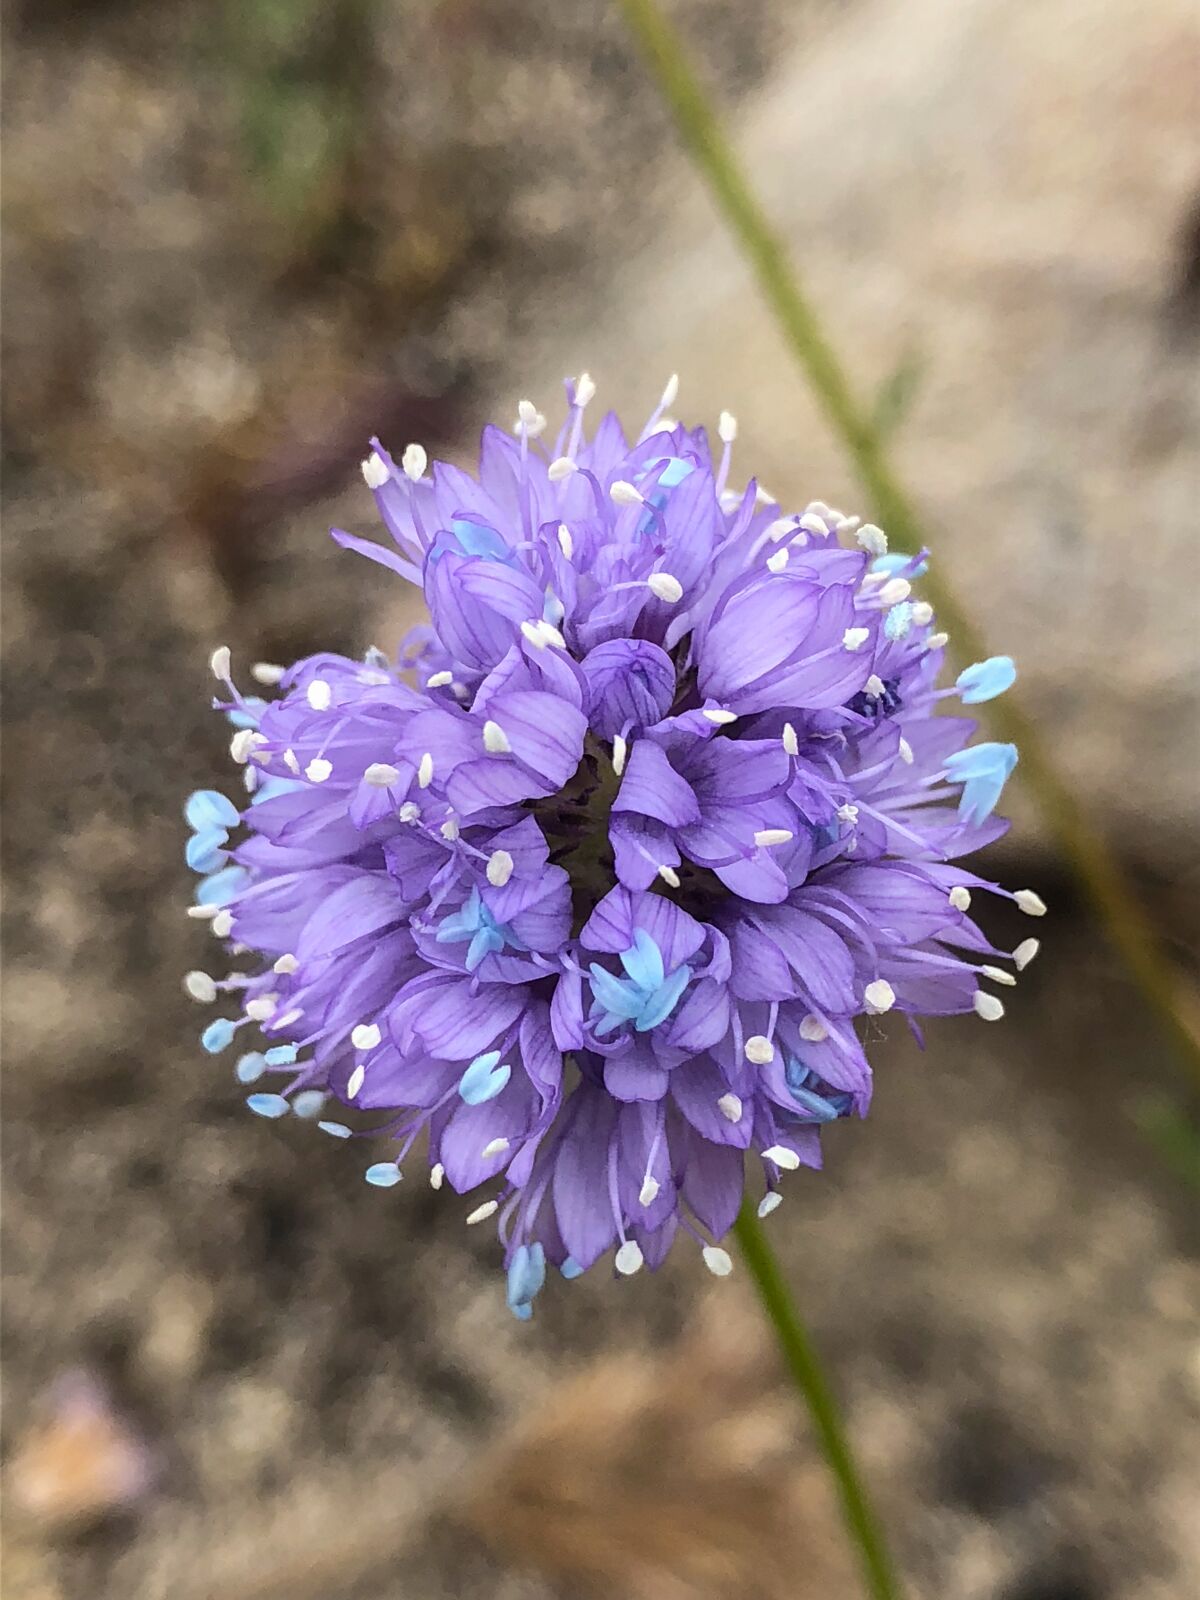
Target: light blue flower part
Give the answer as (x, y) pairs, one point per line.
(383, 1175)
(251, 1067)
(308, 1103)
(571, 1268)
(896, 563)
(986, 679)
(484, 1079)
(899, 620)
(247, 714)
(336, 1130)
(207, 808)
(816, 1107)
(526, 1275)
(645, 997)
(203, 852)
(268, 1105)
(474, 922)
(221, 887)
(280, 1055)
(983, 770)
(218, 1035)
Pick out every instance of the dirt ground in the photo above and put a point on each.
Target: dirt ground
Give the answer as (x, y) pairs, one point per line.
(232, 1369)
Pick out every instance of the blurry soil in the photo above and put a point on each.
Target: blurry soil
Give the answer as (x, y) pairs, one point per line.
(234, 1370)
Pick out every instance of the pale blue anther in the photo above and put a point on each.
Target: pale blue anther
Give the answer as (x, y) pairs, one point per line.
(219, 888)
(571, 1268)
(896, 563)
(983, 770)
(218, 1035)
(247, 714)
(898, 622)
(383, 1175)
(473, 539)
(473, 922)
(280, 1055)
(309, 1102)
(203, 851)
(207, 808)
(986, 679)
(484, 1078)
(336, 1130)
(268, 1105)
(674, 470)
(526, 1275)
(251, 1067)
(645, 997)
(817, 1107)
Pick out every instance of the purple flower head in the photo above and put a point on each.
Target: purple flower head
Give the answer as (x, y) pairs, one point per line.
(598, 885)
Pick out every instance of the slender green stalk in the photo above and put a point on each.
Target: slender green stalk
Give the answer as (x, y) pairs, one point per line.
(1097, 872)
(805, 1367)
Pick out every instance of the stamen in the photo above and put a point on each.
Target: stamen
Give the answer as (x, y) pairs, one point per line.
(336, 1130)
(719, 1262)
(879, 996)
(810, 522)
(481, 1213)
(529, 419)
(671, 393)
(648, 1193)
(960, 898)
(875, 687)
(766, 837)
(1025, 952)
(285, 965)
(565, 542)
(410, 812)
(782, 1157)
(244, 741)
(266, 672)
(425, 771)
(200, 987)
(854, 638)
(1030, 903)
(262, 1008)
(720, 717)
(449, 829)
(366, 1036)
(791, 744)
(778, 561)
(585, 389)
(319, 695)
(356, 1080)
(374, 471)
(499, 868)
(220, 664)
(922, 613)
(202, 913)
(847, 813)
(727, 428)
(381, 775)
(495, 740)
(620, 751)
(318, 769)
(439, 680)
(998, 975)
(905, 751)
(894, 591)
(813, 1030)
(730, 1107)
(495, 1147)
(769, 1202)
(291, 761)
(414, 461)
(988, 1006)
(436, 1175)
(872, 539)
(937, 641)
(759, 1050)
(222, 924)
(781, 528)
(665, 587)
(562, 467)
(669, 876)
(628, 1258)
(625, 494)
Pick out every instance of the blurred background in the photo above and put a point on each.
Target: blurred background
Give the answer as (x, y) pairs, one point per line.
(240, 237)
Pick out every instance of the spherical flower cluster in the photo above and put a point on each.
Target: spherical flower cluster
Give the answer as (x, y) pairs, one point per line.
(588, 888)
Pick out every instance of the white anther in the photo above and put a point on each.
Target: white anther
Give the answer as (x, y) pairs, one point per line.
(810, 522)
(848, 524)
(291, 761)
(584, 389)
(319, 695)
(1030, 903)
(782, 1157)
(769, 1202)
(988, 1006)
(495, 1147)
(266, 672)
(366, 1036)
(414, 461)
(542, 633)
(565, 542)
(922, 613)
(199, 986)
(855, 638)
(778, 561)
(203, 913)
(381, 775)
(960, 897)
(671, 393)
(222, 924)
(727, 427)
(495, 740)
(483, 1212)
(529, 418)
(905, 751)
(289, 1018)
(781, 528)
(665, 587)
(425, 771)
(262, 1008)
(879, 997)
(243, 744)
(875, 687)
(813, 1030)
(620, 751)
(410, 811)
(847, 813)
(669, 876)
(648, 1193)
(628, 1258)
(439, 680)
(872, 539)
(719, 1262)
(998, 975)
(220, 663)
(285, 965)
(764, 497)
(449, 829)
(937, 641)
(1025, 952)
(560, 468)
(791, 745)
(759, 1050)
(766, 837)
(730, 1107)
(355, 1081)
(499, 868)
(721, 717)
(625, 494)
(437, 1173)
(318, 769)
(894, 591)
(375, 471)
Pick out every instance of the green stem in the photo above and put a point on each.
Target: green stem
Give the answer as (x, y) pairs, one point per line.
(1098, 874)
(805, 1367)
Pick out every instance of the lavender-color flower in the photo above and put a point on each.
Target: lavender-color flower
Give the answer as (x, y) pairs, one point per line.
(589, 887)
